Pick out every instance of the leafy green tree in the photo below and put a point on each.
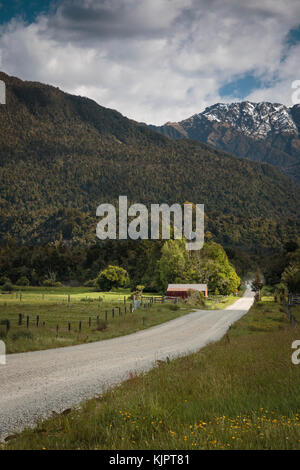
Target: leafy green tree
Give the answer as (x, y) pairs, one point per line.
(140, 288)
(216, 271)
(291, 277)
(111, 277)
(210, 266)
(173, 262)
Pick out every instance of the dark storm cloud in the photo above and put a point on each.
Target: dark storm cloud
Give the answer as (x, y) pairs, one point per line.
(81, 20)
(90, 19)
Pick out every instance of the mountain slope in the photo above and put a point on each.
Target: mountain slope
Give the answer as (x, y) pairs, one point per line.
(62, 155)
(264, 132)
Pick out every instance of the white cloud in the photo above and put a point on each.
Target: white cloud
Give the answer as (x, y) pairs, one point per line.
(156, 60)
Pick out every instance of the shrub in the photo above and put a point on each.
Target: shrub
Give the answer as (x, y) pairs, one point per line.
(4, 280)
(195, 298)
(51, 283)
(23, 281)
(173, 306)
(135, 294)
(90, 283)
(112, 277)
(7, 287)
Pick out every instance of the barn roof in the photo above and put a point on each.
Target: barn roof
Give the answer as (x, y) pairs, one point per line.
(180, 287)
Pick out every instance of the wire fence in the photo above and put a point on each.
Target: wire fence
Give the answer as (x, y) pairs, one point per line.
(39, 321)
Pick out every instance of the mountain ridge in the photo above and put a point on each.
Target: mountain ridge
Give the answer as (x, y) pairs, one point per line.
(267, 132)
(62, 155)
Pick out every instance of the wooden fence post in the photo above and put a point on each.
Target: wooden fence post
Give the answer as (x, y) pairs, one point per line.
(80, 326)
(113, 313)
(69, 326)
(37, 321)
(57, 327)
(90, 322)
(27, 321)
(7, 326)
(20, 319)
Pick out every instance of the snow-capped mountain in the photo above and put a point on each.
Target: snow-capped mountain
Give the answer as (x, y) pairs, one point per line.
(257, 120)
(268, 132)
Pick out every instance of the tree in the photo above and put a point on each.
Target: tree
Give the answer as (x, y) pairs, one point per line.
(173, 261)
(257, 285)
(291, 277)
(140, 288)
(210, 266)
(113, 276)
(281, 292)
(216, 271)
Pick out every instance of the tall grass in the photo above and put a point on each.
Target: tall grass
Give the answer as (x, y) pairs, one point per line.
(52, 313)
(239, 393)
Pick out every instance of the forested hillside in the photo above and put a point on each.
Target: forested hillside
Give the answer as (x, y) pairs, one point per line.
(62, 155)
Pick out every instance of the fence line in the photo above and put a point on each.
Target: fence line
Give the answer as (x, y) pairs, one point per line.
(90, 321)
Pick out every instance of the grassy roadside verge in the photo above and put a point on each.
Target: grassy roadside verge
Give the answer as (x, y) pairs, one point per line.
(225, 301)
(239, 393)
(22, 339)
(60, 310)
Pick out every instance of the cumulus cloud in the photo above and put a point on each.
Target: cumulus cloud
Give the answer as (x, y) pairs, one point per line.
(156, 60)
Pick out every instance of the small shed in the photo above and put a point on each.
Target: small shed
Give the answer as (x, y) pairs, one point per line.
(181, 290)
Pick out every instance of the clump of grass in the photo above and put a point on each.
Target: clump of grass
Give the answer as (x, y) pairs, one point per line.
(21, 334)
(173, 307)
(101, 325)
(3, 334)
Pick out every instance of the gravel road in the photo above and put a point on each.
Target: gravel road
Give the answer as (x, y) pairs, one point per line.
(34, 384)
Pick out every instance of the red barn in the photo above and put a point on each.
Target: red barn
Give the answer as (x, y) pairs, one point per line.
(181, 290)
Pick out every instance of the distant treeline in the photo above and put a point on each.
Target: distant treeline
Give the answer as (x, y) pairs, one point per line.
(152, 264)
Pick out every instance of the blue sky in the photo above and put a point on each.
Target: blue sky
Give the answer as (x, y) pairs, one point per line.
(27, 10)
(293, 36)
(155, 60)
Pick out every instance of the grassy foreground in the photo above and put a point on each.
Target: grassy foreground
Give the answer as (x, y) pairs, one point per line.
(239, 393)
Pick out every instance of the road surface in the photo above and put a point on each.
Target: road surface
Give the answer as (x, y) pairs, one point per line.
(34, 384)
